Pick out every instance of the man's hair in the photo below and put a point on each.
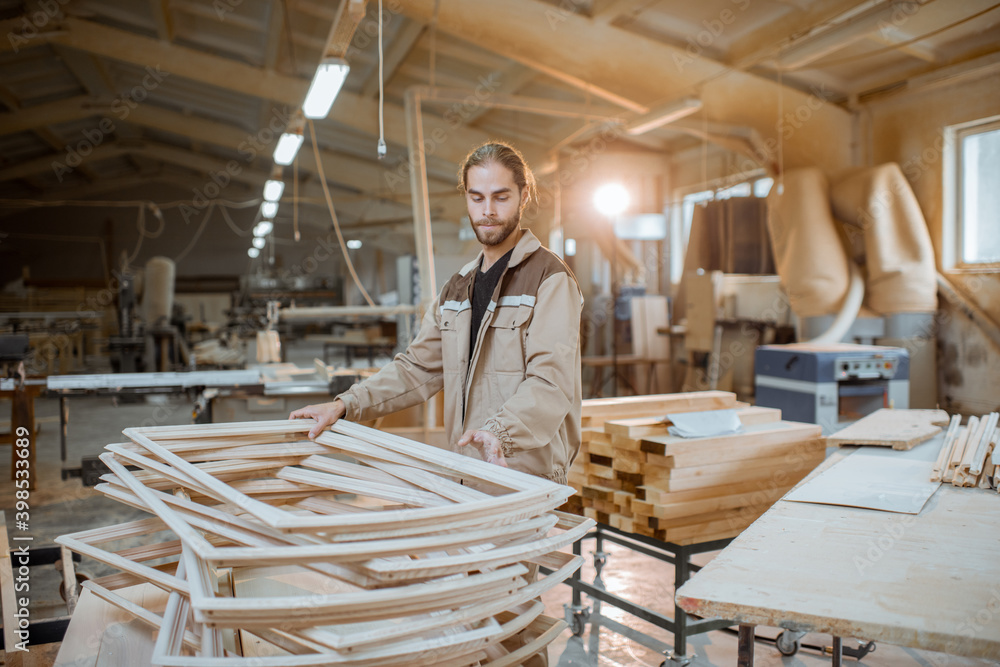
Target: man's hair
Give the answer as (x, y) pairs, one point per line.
(505, 155)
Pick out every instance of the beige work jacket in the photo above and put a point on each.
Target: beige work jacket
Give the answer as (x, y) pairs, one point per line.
(522, 382)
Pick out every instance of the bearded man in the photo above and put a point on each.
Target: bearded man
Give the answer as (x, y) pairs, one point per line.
(502, 339)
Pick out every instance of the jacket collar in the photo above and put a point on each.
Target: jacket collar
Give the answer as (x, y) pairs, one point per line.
(526, 245)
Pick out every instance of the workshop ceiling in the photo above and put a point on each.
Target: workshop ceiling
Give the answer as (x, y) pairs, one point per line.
(138, 92)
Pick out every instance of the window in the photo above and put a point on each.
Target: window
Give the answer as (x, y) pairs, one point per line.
(972, 199)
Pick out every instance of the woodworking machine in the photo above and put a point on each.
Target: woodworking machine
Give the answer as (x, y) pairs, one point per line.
(831, 384)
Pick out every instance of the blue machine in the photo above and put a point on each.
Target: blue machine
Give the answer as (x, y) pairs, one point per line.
(831, 384)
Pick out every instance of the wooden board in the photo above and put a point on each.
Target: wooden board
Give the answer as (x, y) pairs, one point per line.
(598, 410)
(640, 427)
(899, 429)
(93, 618)
(709, 448)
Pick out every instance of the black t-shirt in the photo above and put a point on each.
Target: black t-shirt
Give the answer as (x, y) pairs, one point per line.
(482, 293)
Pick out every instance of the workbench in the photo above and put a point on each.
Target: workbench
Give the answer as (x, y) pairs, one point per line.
(926, 581)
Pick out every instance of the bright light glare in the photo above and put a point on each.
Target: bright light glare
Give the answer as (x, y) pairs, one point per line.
(570, 247)
(258, 242)
(273, 190)
(263, 228)
(253, 252)
(354, 244)
(611, 198)
(287, 148)
(269, 209)
(326, 83)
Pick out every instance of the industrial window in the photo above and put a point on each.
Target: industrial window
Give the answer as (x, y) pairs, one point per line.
(972, 205)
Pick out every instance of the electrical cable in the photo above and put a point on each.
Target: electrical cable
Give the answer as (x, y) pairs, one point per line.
(197, 235)
(381, 89)
(333, 214)
(433, 40)
(233, 226)
(121, 203)
(295, 199)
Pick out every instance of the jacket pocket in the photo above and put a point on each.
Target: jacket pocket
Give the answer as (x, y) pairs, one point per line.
(508, 330)
(453, 354)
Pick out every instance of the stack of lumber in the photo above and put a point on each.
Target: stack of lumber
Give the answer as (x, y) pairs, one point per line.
(358, 548)
(969, 456)
(631, 474)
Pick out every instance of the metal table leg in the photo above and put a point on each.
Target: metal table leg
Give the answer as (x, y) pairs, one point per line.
(745, 654)
(63, 426)
(682, 572)
(838, 652)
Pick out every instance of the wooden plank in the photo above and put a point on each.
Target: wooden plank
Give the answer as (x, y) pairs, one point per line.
(599, 410)
(977, 457)
(640, 427)
(738, 453)
(783, 432)
(944, 456)
(82, 642)
(795, 470)
(899, 429)
(8, 600)
(765, 496)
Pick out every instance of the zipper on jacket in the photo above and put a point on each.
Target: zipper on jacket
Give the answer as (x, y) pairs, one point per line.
(487, 319)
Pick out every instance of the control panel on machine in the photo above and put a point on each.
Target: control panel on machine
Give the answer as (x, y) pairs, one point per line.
(865, 368)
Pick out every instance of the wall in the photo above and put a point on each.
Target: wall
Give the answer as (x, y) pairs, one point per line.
(908, 128)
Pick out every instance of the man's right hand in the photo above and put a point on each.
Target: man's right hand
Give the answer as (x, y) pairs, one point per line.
(325, 414)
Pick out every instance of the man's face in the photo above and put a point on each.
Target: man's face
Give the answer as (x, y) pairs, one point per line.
(494, 202)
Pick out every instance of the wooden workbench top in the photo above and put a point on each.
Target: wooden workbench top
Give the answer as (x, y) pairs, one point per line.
(926, 581)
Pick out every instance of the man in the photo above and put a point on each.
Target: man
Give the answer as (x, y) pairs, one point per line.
(502, 339)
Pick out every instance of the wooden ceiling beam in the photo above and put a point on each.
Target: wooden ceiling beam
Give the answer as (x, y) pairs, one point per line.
(512, 78)
(450, 137)
(58, 163)
(637, 72)
(763, 44)
(49, 113)
(160, 9)
(349, 16)
(275, 32)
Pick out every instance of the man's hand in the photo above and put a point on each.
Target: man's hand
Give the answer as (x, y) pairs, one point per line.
(488, 445)
(325, 414)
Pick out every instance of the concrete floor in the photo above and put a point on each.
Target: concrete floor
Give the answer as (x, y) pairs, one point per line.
(59, 506)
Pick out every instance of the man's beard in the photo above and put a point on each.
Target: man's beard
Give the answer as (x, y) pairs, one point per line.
(495, 237)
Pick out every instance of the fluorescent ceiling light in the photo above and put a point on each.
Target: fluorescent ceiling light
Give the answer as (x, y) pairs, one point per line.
(662, 115)
(813, 47)
(268, 209)
(611, 199)
(258, 242)
(354, 244)
(273, 190)
(253, 252)
(263, 228)
(287, 148)
(326, 83)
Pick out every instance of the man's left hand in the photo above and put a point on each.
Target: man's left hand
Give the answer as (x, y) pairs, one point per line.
(488, 445)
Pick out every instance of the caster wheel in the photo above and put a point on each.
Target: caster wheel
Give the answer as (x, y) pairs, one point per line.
(578, 619)
(80, 578)
(786, 645)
